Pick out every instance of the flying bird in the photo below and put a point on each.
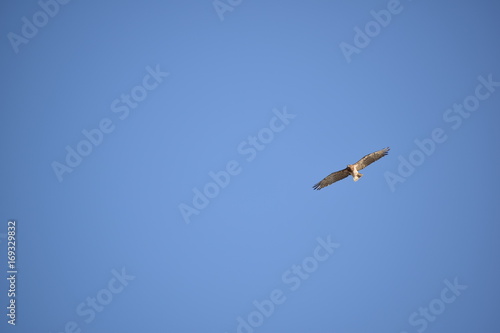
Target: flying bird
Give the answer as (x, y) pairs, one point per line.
(352, 169)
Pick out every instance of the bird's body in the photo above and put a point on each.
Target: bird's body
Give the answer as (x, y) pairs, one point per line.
(352, 169)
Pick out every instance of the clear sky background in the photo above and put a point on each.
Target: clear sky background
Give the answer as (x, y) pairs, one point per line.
(113, 234)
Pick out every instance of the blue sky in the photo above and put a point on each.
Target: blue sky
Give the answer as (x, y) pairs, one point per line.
(158, 159)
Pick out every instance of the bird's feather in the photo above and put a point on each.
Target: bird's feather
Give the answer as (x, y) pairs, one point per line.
(370, 158)
(332, 178)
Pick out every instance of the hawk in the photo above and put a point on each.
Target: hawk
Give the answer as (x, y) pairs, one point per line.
(352, 169)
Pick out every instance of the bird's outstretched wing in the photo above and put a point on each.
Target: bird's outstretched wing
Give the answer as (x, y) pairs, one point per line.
(332, 178)
(370, 158)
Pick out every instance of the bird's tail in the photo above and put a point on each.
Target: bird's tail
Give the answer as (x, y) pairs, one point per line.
(358, 175)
